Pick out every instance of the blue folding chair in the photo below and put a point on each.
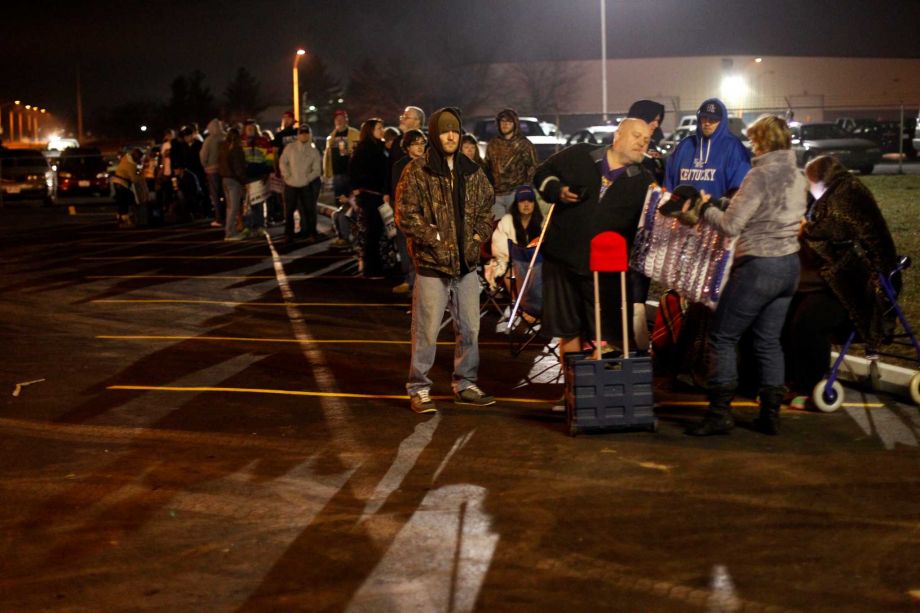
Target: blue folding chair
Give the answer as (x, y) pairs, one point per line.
(530, 311)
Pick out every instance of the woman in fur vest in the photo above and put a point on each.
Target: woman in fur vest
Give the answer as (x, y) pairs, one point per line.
(845, 243)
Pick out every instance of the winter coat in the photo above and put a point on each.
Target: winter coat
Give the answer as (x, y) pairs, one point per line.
(368, 169)
(126, 173)
(766, 210)
(210, 147)
(231, 162)
(512, 160)
(259, 152)
(568, 237)
(716, 164)
(300, 164)
(353, 137)
(426, 213)
(849, 241)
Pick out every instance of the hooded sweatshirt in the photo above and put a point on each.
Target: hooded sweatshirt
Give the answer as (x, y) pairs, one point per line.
(716, 164)
(210, 147)
(512, 160)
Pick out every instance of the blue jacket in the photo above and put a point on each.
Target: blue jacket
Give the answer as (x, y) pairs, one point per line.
(716, 164)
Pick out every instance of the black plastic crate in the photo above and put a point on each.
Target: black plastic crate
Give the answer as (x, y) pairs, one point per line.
(608, 394)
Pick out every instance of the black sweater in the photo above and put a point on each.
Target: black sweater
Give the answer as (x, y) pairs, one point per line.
(568, 238)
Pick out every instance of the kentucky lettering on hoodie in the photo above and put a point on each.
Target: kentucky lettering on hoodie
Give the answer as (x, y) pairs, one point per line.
(716, 164)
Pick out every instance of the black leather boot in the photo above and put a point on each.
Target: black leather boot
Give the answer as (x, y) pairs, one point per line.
(718, 419)
(770, 400)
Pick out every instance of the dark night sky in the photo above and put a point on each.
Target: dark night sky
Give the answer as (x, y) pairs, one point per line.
(130, 49)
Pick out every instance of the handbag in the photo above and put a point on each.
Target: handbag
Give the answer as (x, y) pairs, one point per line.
(389, 221)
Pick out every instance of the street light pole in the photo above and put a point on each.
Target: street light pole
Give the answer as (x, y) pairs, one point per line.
(604, 57)
(296, 79)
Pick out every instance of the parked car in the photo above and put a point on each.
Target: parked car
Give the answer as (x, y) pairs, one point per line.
(916, 140)
(82, 170)
(669, 142)
(26, 174)
(813, 139)
(546, 145)
(735, 124)
(886, 135)
(593, 135)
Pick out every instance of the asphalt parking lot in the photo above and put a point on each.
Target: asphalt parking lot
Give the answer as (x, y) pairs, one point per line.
(223, 426)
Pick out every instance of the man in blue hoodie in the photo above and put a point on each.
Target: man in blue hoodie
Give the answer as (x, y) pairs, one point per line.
(713, 159)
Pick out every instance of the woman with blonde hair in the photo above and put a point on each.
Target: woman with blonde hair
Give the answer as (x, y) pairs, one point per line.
(764, 214)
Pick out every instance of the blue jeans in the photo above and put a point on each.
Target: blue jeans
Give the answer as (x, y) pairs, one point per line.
(430, 296)
(233, 195)
(214, 189)
(756, 297)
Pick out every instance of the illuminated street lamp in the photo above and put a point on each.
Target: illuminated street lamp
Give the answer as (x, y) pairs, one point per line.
(300, 53)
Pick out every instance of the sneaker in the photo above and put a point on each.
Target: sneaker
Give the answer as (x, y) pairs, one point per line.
(801, 403)
(340, 243)
(421, 402)
(402, 288)
(245, 233)
(216, 224)
(473, 396)
(235, 237)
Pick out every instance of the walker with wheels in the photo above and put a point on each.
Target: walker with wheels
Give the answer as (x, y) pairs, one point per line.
(828, 393)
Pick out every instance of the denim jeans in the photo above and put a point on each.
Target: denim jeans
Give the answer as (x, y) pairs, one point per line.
(214, 189)
(233, 195)
(756, 297)
(430, 296)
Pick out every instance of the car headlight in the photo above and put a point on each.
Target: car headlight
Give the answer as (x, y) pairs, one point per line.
(33, 177)
(65, 175)
(101, 175)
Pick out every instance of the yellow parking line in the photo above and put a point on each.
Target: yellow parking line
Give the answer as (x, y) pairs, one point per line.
(247, 390)
(744, 403)
(223, 277)
(233, 303)
(244, 339)
(165, 243)
(109, 258)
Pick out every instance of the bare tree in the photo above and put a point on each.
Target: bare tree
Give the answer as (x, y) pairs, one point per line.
(544, 88)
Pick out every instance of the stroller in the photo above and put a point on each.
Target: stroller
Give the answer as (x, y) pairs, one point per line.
(828, 393)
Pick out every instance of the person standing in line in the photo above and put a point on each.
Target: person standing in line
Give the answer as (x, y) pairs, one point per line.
(443, 204)
(208, 156)
(512, 159)
(594, 190)
(339, 146)
(231, 164)
(260, 162)
(765, 214)
(368, 175)
(413, 146)
(127, 175)
(300, 166)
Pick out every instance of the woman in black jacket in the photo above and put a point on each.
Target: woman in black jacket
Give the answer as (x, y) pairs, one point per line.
(368, 171)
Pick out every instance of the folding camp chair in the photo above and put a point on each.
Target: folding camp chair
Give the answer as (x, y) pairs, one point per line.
(530, 313)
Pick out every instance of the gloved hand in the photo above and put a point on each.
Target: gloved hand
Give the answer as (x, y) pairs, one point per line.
(692, 216)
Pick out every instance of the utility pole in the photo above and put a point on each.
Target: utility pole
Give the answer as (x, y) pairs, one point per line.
(604, 57)
(79, 108)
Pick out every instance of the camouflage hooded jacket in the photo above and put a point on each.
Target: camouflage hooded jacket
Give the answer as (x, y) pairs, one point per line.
(425, 209)
(512, 160)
